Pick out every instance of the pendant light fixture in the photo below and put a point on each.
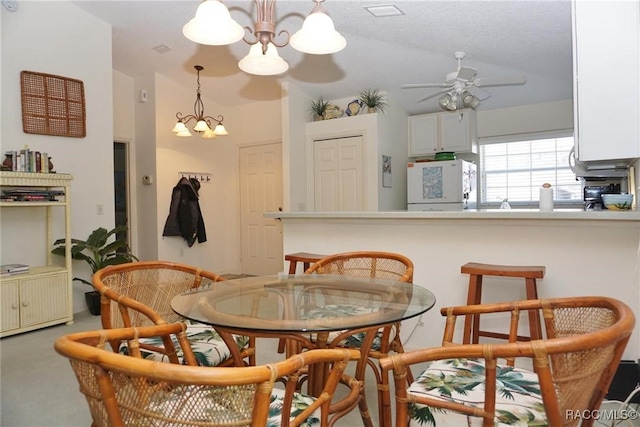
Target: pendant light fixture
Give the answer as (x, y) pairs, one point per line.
(203, 123)
(213, 25)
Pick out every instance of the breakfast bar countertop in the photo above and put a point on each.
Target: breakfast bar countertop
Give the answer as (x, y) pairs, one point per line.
(471, 214)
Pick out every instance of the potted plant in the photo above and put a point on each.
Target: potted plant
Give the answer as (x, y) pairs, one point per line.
(318, 108)
(98, 252)
(374, 100)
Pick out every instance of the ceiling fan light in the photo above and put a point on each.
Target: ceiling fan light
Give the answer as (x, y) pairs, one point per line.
(220, 130)
(318, 36)
(201, 126)
(267, 64)
(213, 25)
(445, 100)
(469, 100)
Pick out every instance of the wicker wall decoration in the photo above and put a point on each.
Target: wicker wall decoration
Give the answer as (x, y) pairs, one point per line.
(52, 105)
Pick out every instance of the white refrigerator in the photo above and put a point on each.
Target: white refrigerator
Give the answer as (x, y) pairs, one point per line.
(441, 186)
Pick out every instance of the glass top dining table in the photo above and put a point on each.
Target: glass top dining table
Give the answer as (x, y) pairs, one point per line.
(303, 303)
(307, 311)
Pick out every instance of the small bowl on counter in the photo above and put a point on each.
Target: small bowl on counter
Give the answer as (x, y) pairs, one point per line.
(617, 202)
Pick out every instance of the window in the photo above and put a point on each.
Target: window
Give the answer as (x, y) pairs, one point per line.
(515, 170)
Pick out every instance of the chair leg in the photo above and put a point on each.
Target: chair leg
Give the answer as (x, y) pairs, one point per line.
(292, 267)
(281, 342)
(472, 323)
(535, 326)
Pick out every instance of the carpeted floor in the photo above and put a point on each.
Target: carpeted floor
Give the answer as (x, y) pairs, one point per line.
(38, 388)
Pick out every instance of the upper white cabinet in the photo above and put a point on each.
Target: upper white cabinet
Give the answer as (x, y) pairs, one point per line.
(446, 131)
(423, 135)
(606, 85)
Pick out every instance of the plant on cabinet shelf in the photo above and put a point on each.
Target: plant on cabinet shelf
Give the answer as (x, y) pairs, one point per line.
(98, 252)
(374, 100)
(318, 107)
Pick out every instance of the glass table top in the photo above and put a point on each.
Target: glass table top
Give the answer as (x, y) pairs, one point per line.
(303, 303)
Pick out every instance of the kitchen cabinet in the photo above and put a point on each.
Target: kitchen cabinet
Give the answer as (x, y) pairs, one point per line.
(43, 296)
(454, 131)
(606, 65)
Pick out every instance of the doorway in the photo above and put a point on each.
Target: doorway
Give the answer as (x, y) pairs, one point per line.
(121, 189)
(260, 191)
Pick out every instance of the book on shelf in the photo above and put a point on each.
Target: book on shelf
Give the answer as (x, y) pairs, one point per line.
(29, 195)
(8, 269)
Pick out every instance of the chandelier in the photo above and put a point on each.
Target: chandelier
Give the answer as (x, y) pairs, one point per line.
(213, 25)
(203, 123)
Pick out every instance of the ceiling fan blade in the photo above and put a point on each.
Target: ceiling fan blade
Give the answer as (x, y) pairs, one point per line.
(421, 85)
(467, 73)
(433, 95)
(479, 93)
(500, 81)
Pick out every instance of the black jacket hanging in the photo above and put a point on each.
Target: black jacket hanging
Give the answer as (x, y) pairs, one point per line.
(185, 218)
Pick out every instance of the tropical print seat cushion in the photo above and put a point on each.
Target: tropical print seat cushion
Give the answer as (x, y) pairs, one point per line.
(518, 400)
(208, 347)
(342, 310)
(299, 404)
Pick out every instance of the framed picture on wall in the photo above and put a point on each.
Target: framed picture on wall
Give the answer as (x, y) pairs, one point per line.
(386, 171)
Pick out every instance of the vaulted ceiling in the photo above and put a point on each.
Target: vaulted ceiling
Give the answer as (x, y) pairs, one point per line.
(500, 38)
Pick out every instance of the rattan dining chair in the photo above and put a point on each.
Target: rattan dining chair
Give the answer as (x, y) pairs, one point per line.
(559, 380)
(127, 390)
(139, 294)
(379, 265)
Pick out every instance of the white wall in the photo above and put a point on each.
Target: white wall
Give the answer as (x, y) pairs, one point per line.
(124, 120)
(59, 38)
(393, 140)
(548, 116)
(295, 114)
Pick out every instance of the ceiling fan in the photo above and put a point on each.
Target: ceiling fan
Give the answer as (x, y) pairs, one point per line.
(462, 89)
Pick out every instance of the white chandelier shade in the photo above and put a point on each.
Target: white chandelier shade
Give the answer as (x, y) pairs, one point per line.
(213, 25)
(267, 64)
(318, 36)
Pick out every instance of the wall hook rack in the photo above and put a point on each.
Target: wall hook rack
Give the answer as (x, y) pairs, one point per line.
(203, 177)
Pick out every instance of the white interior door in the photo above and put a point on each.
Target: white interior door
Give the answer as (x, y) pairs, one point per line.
(338, 174)
(260, 191)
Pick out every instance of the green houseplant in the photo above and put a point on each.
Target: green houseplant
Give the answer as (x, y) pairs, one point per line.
(98, 252)
(374, 100)
(318, 107)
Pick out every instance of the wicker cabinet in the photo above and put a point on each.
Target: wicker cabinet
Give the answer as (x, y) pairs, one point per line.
(43, 296)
